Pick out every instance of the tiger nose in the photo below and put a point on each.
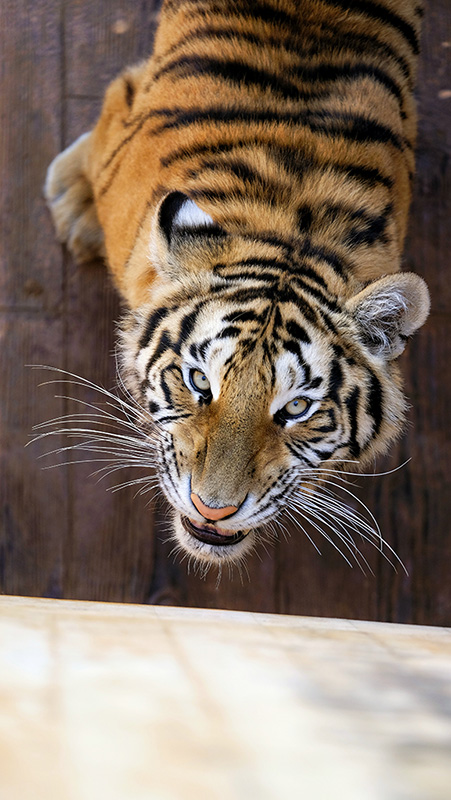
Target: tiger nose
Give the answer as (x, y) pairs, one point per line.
(212, 513)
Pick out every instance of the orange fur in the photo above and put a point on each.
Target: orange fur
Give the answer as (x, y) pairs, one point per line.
(288, 129)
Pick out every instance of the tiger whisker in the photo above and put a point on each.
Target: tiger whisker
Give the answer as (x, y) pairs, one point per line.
(325, 535)
(351, 515)
(323, 516)
(360, 503)
(359, 474)
(101, 413)
(354, 521)
(344, 536)
(143, 482)
(94, 461)
(297, 523)
(84, 382)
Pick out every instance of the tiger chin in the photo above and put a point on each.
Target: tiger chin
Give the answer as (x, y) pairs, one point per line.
(249, 188)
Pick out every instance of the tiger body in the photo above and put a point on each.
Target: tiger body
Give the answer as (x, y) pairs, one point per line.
(250, 186)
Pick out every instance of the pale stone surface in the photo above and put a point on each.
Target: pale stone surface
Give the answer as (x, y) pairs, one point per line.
(151, 703)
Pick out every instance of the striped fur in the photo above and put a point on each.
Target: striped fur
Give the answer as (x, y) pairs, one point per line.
(250, 186)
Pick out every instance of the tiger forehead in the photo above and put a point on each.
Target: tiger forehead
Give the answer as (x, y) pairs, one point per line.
(268, 344)
(269, 320)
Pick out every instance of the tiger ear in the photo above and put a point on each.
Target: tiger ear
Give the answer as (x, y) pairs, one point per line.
(390, 310)
(178, 222)
(178, 214)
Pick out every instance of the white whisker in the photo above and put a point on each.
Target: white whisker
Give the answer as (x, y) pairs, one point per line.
(297, 523)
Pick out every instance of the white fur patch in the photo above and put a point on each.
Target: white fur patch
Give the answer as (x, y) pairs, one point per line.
(190, 215)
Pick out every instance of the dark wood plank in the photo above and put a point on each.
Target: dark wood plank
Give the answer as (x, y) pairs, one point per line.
(414, 504)
(429, 239)
(30, 114)
(63, 534)
(33, 520)
(33, 502)
(112, 534)
(104, 37)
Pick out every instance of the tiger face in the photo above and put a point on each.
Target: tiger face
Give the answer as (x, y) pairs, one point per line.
(258, 382)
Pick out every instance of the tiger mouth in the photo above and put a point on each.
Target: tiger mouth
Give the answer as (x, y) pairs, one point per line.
(208, 534)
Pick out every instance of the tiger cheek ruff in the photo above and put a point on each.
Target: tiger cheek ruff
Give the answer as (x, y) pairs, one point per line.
(249, 187)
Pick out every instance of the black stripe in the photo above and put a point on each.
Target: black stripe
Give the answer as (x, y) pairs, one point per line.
(333, 72)
(107, 185)
(169, 418)
(369, 175)
(286, 294)
(186, 326)
(314, 383)
(140, 122)
(298, 271)
(325, 429)
(230, 364)
(254, 10)
(129, 92)
(307, 272)
(242, 316)
(152, 323)
(233, 71)
(193, 350)
(321, 253)
(374, 404)
(323, 454)
(209, 194)
(289, 158)
(164, 344)
(306, 44)
(297, 332)
(237, 167)
(239, 72)
(203, 347)
(293, 347)
(298, 450)
(305, 218)
(352, 404)
(373, 228)
(335, 381)
(230, 332)
(248, 274)
(382, 14)
(353, 127)
(181, 153)
(240, 169)
(273, 239)
(163, 382)
(267, 263)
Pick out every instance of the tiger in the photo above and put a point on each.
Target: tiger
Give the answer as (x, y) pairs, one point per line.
(249, 186)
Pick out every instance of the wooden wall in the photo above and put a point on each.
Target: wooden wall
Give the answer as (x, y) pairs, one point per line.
(62, 534)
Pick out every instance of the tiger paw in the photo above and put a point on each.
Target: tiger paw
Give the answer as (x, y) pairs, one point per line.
(69, 195)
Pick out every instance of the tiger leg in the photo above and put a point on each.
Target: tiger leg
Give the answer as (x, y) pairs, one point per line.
(70, 183)
(69, 193)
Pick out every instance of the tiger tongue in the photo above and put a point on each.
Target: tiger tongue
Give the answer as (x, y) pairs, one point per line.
(210, 527)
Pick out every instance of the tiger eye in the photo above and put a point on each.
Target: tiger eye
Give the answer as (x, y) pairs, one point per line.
(199, 380)
(296, 407)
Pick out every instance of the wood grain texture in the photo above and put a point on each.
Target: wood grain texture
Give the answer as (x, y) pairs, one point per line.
(64, 535)
(33, 504)
(137, 703)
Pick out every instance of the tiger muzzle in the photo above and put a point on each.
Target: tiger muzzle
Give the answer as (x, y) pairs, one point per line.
(209, 534)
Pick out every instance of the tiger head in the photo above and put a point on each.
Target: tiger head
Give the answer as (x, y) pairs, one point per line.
(261, 376)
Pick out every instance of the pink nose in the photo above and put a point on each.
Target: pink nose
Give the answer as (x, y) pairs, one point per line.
(212, 513)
